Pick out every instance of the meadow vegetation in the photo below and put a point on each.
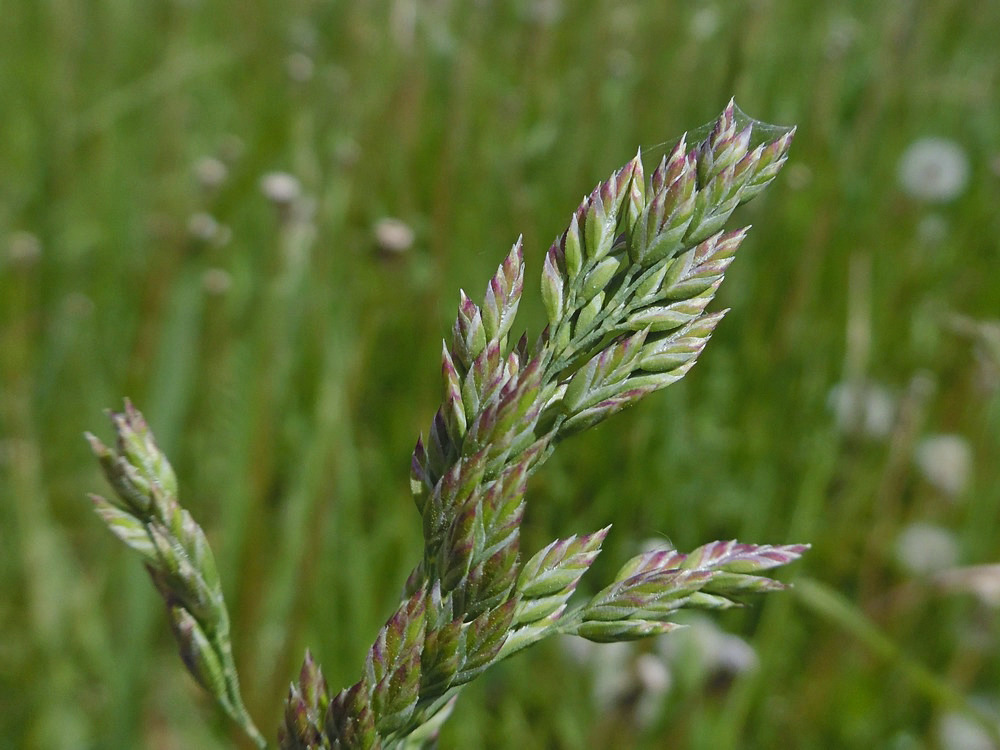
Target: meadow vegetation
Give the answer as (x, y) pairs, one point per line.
(254, 224)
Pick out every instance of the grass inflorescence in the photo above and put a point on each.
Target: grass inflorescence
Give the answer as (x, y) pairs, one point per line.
(286, 356)
(625, 289)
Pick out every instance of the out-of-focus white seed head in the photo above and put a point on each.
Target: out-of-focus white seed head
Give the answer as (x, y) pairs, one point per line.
(623, 678)
(728, 654)
(346, 153)
(210, 172)
(303, 33)
(653, 678)
(403, 23)
(712, 652)
(922, 549)
(652, 673)
(203, 227)
(866, 409)
(621, 63)
(983, 581)
(281, 188)
(704, 23)
(23, 249)
(841, 35)
(300, 67)
(393, 236)
(216, 281)
(610, 671)
(543, 12)
(957, 731)
(934, 170)
(946, 462)
(579, 650)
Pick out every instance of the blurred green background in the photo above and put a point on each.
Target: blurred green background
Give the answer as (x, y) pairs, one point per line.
(283, 341)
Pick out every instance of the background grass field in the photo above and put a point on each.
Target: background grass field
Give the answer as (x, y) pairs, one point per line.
(287, 367)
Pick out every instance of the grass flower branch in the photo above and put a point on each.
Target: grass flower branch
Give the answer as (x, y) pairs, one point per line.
(146, 516)
(625, 290)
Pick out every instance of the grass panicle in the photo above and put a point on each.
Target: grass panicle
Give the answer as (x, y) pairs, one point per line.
(147, 517)
(625, 290)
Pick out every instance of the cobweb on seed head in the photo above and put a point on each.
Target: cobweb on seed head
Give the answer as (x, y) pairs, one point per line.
(762, 132)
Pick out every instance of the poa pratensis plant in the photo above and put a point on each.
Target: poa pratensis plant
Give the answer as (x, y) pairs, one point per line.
(625, 289)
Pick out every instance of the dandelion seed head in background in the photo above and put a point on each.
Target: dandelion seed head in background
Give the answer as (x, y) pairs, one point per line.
(621, 63)
(393, 236)
(280, 188)
(704, 23)
(210, 172)
(865, 409)
(956, 731)
(544, 12)
(934, 170)
(922, 549)
(609, 666)
(842, 34)
(216, 281)
(982, 581)
(622, 676)
(346, 153)
(23, 249)
(653, 679)
(715, 655)
(204, 227)
(946, 462)
(299, 67)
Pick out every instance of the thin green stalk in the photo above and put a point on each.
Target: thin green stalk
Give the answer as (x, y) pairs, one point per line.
(835, 608)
